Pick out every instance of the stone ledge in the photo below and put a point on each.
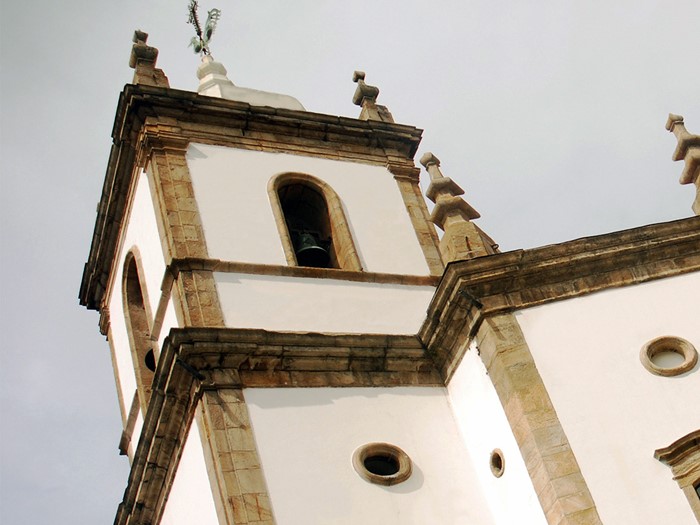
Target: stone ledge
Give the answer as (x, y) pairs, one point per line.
(244, 358)
(217, 265)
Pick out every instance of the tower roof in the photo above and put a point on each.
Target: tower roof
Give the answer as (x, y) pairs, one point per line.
(213, 82)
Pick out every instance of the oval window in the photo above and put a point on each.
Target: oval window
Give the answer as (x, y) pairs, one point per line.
(668, 356)
(382, 463)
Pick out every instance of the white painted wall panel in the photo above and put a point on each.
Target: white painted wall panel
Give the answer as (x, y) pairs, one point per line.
(230, 186)
(484, 427)
(321, 305)
(306, 438)
(142, 233)
(614, 412)
(191, 501)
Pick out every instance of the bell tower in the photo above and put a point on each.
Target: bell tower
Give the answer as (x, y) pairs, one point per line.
(261, 272)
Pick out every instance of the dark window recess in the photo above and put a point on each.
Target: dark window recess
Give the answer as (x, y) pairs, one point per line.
(697, 489)
(382, 465)
(150, 361)
(306, 214)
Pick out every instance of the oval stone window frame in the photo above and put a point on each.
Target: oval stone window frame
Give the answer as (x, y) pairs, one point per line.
(674, 344)
(384, 450)
(497, 462)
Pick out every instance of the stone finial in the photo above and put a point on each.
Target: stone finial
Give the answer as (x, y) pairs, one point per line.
(687, 149)
(366, 97)
(428, 159)
(452, 214)
(143, 62)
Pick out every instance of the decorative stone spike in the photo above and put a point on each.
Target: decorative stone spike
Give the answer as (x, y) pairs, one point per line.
(462, 238)
(688, 149)
(143, 62)
(366, 97)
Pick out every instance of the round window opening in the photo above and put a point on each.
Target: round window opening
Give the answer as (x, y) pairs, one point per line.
(382, 463)
(668, 356)
(497, 463)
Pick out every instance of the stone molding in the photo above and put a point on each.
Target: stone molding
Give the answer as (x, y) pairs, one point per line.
(216, 265)
(683, 457)
(153, 119)
(247, 358)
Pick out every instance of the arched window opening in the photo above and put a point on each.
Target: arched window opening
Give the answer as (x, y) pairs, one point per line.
(312, 223)
(138, 327)
(306, 215)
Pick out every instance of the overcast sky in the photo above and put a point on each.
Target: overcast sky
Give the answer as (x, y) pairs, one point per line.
(550, 114)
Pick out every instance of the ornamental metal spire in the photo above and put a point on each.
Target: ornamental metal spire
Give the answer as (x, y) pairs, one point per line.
(200, 43)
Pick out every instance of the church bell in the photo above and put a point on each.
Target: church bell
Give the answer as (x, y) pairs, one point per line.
(309, 251)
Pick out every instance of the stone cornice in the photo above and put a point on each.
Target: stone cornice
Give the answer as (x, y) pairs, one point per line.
(244, 358)
(150, 118)
(471, 290)
(679, 450)
(217, 265)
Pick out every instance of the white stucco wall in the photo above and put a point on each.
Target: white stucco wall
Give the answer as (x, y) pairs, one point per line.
(306, 438)
(614, 412)
(321, 305)
(142, 234)
(190, 500)
(484, 427)
(230, 186)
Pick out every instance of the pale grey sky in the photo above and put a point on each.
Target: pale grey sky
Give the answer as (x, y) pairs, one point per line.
(549, 114)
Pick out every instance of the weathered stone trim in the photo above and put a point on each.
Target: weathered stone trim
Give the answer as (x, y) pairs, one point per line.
(286, 359)
(139, 322)
(216, 265)
(238, 472)
(104, 322)
(197, 288)
(407, 177)
(130, 423)
(117, 382)
(683, 457)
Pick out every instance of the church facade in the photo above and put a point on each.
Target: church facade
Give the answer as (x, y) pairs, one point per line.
(294, 343)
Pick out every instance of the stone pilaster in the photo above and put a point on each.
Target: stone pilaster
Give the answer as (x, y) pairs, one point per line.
(553, 469)
(244, 499)
(180, 224)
